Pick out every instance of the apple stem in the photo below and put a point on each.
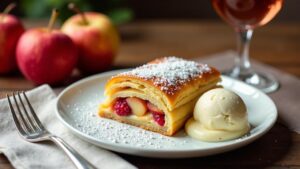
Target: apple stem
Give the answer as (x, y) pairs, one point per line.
(52, 19)
(75, 9)
(7, 10)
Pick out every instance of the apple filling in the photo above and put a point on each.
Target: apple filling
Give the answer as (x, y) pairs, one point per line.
(138, 107)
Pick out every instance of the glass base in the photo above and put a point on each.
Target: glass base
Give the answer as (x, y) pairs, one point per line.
(265, 82)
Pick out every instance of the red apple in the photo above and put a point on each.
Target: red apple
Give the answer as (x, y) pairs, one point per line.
(46, 56)
(96, 38)
(10, 31)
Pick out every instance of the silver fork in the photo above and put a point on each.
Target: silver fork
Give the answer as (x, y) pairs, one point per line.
(32, 130)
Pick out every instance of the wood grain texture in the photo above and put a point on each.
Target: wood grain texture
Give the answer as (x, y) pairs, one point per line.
(275, 44)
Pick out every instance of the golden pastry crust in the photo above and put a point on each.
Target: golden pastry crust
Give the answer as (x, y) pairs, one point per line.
(171, 84)
(161, 130)
(174, 92)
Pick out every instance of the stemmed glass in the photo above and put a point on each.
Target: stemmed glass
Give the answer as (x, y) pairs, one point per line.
(244, 16)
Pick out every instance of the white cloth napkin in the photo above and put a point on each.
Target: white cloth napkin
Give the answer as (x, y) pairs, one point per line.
(46, 155)
(286, 98)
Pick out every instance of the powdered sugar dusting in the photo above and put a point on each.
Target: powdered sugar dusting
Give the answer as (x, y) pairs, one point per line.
(170, 73)
(86, 120)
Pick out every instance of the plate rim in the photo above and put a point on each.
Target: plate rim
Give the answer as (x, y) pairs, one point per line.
(230, 146)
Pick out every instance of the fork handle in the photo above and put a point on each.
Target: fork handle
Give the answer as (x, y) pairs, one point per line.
(76, 158)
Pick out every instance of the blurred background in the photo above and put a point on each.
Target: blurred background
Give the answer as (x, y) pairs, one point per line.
(122, 11)
(189, 29)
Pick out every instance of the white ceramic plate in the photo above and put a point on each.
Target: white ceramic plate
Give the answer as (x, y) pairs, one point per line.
(77, 109)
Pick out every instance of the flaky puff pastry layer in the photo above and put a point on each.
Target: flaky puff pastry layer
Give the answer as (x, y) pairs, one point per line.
(173, 88)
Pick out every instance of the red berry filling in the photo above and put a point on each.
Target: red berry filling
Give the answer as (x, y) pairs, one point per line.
(121, 107)
(159, 118)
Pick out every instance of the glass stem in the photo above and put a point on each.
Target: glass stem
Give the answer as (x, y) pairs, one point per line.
(242, 63)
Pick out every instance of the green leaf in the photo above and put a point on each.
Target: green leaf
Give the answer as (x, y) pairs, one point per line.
(35, 8)
(42, 8)
(120, 15)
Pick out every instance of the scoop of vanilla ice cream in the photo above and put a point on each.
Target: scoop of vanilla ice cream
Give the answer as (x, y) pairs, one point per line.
(221, 109)
(219, 115)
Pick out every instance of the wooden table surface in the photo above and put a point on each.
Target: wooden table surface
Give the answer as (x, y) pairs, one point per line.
(275, 44)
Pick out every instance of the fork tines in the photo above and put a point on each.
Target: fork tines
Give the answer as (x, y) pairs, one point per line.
(24, 116)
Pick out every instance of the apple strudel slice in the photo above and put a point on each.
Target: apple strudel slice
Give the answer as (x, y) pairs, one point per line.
(158, 96)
